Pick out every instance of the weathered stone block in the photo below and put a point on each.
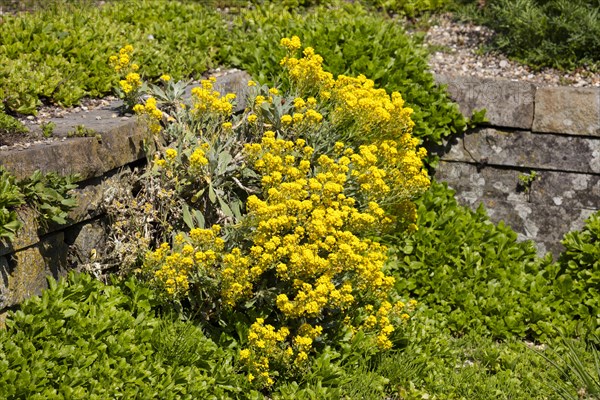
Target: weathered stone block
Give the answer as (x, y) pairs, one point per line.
(30, 267)
(574, 111)
(525, 150)
(568, 190)
(28, 235)
(84, 238)
(545, 225)
(508, 104)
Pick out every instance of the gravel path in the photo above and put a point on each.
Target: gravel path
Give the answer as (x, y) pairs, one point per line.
(458, 45)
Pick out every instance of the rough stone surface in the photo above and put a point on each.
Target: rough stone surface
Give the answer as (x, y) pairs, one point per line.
(84, 238)
(508, 104)
(574, 111)
(88, 156)
(544, 224)
(4, 273)
(525, 150)
(565, 189)
(29, 268)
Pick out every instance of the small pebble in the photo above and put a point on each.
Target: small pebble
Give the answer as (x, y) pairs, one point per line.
(98, 118)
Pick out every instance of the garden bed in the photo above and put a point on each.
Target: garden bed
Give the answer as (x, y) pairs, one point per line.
(297, 249)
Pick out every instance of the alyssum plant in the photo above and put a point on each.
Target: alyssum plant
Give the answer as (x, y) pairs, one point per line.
(315, 177)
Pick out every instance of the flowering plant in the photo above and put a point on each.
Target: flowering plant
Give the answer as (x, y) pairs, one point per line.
(307, 263)
(301, 186)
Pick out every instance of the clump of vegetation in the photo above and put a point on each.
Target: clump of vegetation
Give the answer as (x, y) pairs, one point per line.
(557, 33)
(294, 180)
(84, 339)
(48, 194)
(10, 125)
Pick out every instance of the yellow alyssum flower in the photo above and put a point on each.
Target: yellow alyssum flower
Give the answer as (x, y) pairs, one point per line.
(170, 154)
(292, 44)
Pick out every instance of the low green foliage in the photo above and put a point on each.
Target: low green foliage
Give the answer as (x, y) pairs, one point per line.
(407, 8)
(410, 8)
(48, 129)
(10, 197)
(579, 274)
(10, 124)
(473, 274)
(556, 33)
(581, 373)
(474, 366)
(60, 53)
(49, 194)
(475, 277)
(84, 340)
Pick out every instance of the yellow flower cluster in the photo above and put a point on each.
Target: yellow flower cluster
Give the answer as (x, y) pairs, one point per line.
(307, 72)
(151, 112)
(383, 320)
(309, 235)
(388, 168)
(292, 44)
(122, 64)
(170, 269)
(122, 61)
(207, 100)
(198, 158)
(131, 82)
(265, 343)
(372, 111)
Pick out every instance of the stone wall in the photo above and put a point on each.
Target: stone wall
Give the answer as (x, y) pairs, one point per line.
(553, 131)
(118, 142)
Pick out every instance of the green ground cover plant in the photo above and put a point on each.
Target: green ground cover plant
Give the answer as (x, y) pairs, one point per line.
(557, 33)
(476, 277)
(85, 340)
(59, 54)
(10, 124)
(49, 195)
